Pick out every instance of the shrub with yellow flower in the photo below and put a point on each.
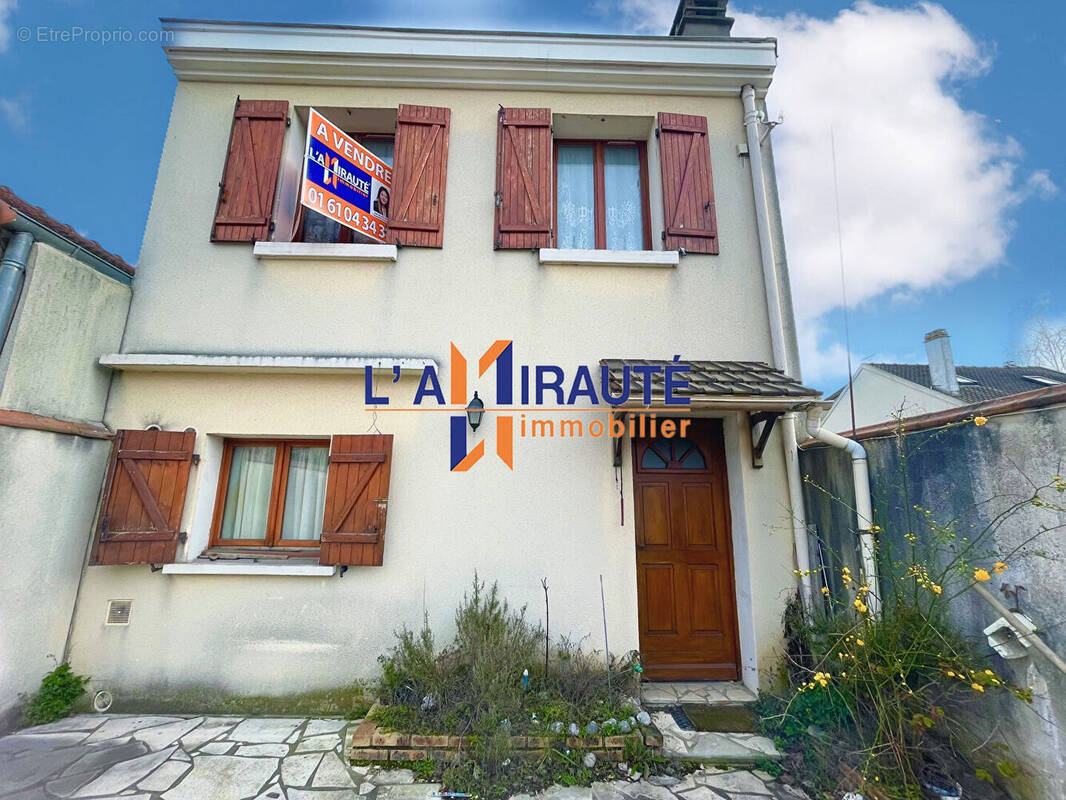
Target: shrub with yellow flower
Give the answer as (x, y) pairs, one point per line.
(868, 677)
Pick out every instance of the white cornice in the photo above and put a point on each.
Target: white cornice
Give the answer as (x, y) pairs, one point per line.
(188, 362)
(349, 56)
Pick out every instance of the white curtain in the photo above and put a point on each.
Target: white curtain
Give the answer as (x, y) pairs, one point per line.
(621, 178)
(305, 494)
(576, 189)
(251, 475)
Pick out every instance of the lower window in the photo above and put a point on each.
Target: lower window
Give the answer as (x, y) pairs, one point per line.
(271, 493)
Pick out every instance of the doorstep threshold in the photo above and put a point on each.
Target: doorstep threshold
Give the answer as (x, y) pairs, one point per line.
(660, 694)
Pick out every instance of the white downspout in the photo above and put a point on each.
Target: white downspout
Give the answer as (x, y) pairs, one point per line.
(863, 505)
(777, 341)
(799, 512)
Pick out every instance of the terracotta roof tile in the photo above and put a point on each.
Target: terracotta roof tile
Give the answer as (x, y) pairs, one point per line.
(39, 215)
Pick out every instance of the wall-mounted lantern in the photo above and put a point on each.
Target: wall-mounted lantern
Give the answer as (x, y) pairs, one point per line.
(474, 412)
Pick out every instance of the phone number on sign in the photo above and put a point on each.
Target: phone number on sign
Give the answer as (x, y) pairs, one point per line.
(343, 212)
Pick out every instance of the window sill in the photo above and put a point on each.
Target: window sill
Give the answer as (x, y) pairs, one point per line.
(323, 251)
(609, 258)
(278, 570)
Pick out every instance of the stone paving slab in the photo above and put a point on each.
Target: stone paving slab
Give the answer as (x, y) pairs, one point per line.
(140, 757)
(712, 746)
(709, 693)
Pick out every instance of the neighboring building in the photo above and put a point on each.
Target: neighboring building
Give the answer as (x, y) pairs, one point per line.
(63, 304)
(886, 392)
(552, 207)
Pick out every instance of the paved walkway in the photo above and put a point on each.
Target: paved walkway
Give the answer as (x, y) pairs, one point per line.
(688, 744)
(122, 757)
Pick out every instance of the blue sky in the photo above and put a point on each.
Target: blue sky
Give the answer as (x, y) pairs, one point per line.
(82, 125)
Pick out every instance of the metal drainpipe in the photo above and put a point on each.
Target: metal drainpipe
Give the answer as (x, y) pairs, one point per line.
(777, 341)
(863, 505)
(12, 274)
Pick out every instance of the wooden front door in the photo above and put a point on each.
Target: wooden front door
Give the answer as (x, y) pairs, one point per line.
(685, 587)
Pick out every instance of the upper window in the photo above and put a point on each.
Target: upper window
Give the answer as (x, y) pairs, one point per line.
(320, 228)
(271, 493)
(601, 193)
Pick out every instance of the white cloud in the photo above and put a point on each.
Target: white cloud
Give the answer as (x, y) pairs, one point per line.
(7, 8)
(14, 114)
(927, 187)
(1039, 183)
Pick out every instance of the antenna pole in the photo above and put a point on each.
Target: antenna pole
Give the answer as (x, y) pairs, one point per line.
(843, 284)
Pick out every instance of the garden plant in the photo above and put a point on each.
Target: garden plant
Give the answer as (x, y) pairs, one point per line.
(494, 681)
(888, 703)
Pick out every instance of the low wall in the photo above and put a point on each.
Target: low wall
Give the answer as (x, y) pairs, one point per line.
(367, 742)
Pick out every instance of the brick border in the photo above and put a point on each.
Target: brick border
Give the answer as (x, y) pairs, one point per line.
(367, 742)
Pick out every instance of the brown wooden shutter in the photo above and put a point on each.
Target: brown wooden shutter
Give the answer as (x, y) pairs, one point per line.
(250, 176)
(357, 498)
(144, 498)
(524, 207)
(688, 189)
(419, 176)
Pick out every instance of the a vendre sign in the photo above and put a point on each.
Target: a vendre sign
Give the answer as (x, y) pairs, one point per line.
(344, 181)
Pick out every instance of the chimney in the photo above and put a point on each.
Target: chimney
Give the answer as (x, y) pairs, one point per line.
(701, 18)
(941, 362)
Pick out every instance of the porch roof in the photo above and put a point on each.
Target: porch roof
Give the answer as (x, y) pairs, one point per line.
(713, 380)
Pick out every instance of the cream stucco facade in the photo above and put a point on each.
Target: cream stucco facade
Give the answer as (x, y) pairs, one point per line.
(564, 512)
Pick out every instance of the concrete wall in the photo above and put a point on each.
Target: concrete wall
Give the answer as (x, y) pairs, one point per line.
(973, 474)
(556, 515)
(68, 316)
(882, 397)
(49, 487)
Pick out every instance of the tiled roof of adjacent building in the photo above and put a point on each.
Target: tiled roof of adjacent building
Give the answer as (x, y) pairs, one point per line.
(40, 216)
(988, 382)
(736, 378)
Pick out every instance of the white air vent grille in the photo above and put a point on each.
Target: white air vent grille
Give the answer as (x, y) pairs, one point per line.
(118, 612)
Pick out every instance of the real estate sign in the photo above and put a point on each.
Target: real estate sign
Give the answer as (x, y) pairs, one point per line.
(344, 181)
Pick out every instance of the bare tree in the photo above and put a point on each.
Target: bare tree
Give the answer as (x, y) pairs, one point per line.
(1045, 344)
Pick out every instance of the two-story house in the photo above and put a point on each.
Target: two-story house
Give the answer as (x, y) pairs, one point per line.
(583, 230)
